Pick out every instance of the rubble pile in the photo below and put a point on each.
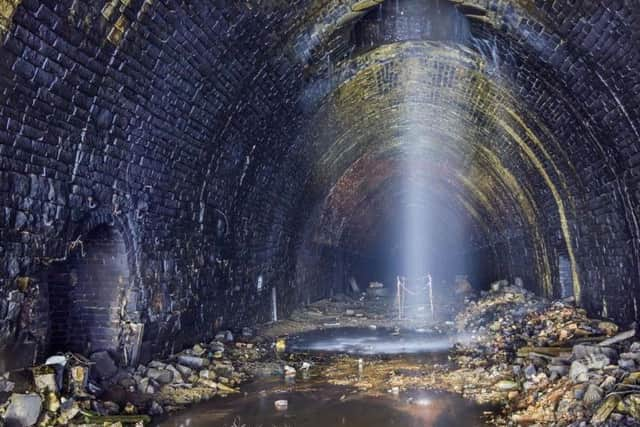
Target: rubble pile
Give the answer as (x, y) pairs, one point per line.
(492, 326)
(540, 362)
(72, 390)
(548, 361)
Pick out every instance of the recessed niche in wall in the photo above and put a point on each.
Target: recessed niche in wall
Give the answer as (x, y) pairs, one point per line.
(566, 280)
(85, 294)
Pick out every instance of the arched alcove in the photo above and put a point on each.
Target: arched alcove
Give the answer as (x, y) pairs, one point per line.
(86, 292)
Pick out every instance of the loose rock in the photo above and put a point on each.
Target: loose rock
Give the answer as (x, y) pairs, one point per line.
(23, 410)
(103, 365)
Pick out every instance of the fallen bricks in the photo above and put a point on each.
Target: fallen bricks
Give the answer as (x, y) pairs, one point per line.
(70, 389)
(547, 362)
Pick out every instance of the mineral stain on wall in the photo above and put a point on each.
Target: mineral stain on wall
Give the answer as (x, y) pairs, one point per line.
(7, 9)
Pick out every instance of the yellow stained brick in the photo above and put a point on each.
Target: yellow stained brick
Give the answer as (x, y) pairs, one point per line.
(23, 283)
(109, 8)
(115, 36)
(121, 24)
(7, 7)
(364, 5)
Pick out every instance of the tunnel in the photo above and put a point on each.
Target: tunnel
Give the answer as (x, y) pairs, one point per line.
(85, 293)
(171, 170)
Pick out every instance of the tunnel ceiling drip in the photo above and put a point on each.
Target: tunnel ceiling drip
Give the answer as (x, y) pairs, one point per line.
(270, 139)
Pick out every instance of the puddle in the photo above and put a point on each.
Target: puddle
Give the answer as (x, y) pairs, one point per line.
(365, 341)
(327, 395)
(326, 405)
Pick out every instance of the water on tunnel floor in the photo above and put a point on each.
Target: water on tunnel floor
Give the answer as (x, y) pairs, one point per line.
(317, 399)
(367, 341)
(322, 405)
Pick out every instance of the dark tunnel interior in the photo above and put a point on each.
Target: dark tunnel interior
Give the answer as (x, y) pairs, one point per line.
(170, 168)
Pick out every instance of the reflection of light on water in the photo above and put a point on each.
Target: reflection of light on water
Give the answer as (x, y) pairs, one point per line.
(375, 345)
(321, 405)
(422, 402)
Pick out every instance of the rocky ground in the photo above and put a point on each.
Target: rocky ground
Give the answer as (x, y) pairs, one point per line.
(547, 362)
(72, 390)
(373, 308)
(529, 360)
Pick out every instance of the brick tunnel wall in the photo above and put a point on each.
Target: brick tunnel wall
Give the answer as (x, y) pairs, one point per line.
(165, 120)
(154, 117)
(575, 71)
(85, 294)
(361, 117)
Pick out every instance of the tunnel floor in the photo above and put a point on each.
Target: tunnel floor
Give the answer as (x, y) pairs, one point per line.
(314, 400)
(507, 357)
(346, 350)
(371, 341)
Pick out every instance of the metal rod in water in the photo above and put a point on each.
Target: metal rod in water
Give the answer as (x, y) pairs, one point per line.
(400, 298)
(274, 306)
(430, 288)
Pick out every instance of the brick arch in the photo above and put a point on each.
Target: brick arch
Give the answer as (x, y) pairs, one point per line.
(192, 105)
(87, 292)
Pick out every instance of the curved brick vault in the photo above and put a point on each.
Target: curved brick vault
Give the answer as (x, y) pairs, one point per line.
(236, 140)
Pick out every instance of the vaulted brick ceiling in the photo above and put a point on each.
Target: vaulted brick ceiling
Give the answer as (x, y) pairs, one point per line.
(232, 140)
(517, 119)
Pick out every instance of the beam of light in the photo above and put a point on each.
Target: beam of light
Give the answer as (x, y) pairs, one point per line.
(419, 211)
(416, 215)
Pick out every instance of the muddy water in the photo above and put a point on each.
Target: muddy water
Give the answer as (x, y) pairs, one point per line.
(326, 405)
(315, 400)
